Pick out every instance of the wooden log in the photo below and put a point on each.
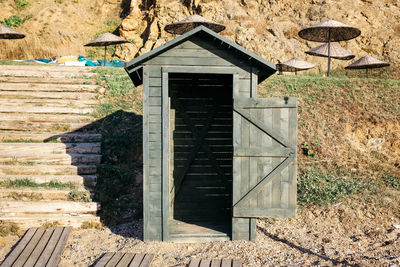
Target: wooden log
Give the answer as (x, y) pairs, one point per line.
(32, 117)
(44, 109)
(50, 137)
(45, 73)
(25, 221)
(48, 95)
(24, 80)
(47, 207)
(47, 170)
(87, 180)
(63, 127)
(51, 148)
(81, 103)
(58, 159)
(48, 87)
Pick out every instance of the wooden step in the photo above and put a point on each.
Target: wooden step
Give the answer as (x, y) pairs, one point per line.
(57, 81)
(48, 87)
(51, 148)
(53, 68)
(47, 95)
(42, 102)
(49, 137)
(12, 158)
(32, 117)
(47, 207)
(47, 170)
(49, 73)
(25, 221)
(86, 180)
(62, 127)
(36, 194)
(39, 109)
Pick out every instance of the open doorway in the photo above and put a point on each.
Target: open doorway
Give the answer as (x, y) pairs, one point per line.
(201, 153)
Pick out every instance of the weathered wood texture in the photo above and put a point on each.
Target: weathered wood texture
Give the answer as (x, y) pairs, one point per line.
(208, 177)
(215, 263)
(120, 259)
(264, 162)
(39, 247)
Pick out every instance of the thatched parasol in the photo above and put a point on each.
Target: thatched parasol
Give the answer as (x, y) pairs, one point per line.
(105, 40)
(294, 65)
(192, 22)
(337, 52)
(366, 63)
(8, 33)
(329, 31)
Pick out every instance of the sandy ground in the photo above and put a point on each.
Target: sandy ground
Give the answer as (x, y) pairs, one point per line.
(331, 236)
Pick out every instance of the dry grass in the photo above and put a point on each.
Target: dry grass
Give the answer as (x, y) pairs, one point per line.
(55, 29)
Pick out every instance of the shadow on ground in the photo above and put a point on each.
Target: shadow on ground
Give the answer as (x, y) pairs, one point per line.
(119, 182)
(302, 249)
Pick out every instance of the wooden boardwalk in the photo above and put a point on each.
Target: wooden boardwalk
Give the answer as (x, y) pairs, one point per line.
(39, 247)
(120, 259)
(215, 263)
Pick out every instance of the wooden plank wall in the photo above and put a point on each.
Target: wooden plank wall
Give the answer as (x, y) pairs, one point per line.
(194, 52)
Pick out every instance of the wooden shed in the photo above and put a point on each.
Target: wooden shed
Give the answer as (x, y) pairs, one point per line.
(215, 156)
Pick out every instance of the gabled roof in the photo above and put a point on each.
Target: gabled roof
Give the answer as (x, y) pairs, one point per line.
(134, 68)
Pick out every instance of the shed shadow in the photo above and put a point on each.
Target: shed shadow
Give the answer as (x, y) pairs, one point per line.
(304, 250)
(119, 174)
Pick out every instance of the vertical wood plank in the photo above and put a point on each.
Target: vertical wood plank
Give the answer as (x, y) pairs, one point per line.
(165, 155)
(194, 263)
(171, 188)
(284, 130)
(55, 256)
(125, 260)
(226, 263)
(293, 168)
(39, 248)
(115, 259)
(236, 93)
(148, 258)
(146, 184)
(253, 133)
(252, 229)
(47, 252)
(136, 260)
(236, 263)
(19, 248)
(205, 263)
(216, 263)
(254, 83)
(276, 185)
(104, 259)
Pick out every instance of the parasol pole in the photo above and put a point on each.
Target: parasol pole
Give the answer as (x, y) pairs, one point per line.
(105, 55)
(329, 52)
(366, 72)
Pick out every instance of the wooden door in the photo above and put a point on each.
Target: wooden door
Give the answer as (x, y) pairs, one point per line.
(265, 158)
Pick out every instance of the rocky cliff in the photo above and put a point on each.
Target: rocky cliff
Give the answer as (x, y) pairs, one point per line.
(270, 27)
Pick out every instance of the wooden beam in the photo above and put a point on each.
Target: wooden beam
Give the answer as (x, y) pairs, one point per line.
(260, 185)
(259, 124)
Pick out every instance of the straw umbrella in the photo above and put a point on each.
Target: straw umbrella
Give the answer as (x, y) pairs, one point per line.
(336, 51)
(294, 65)
(105, 40)
(8, 33)
(366, 63)
(327, 32)
(192, 22)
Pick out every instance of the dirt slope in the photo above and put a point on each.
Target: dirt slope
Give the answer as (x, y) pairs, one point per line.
(270, 28)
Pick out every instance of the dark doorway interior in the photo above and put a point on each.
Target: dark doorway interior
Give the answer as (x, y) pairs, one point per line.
(201, 154)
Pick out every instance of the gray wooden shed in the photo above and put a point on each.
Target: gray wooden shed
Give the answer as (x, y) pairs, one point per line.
(215, 156)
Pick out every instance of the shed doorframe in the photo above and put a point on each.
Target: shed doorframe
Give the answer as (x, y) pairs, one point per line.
(165, 126)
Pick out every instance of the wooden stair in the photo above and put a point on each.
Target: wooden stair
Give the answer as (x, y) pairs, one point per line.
(49, 147)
